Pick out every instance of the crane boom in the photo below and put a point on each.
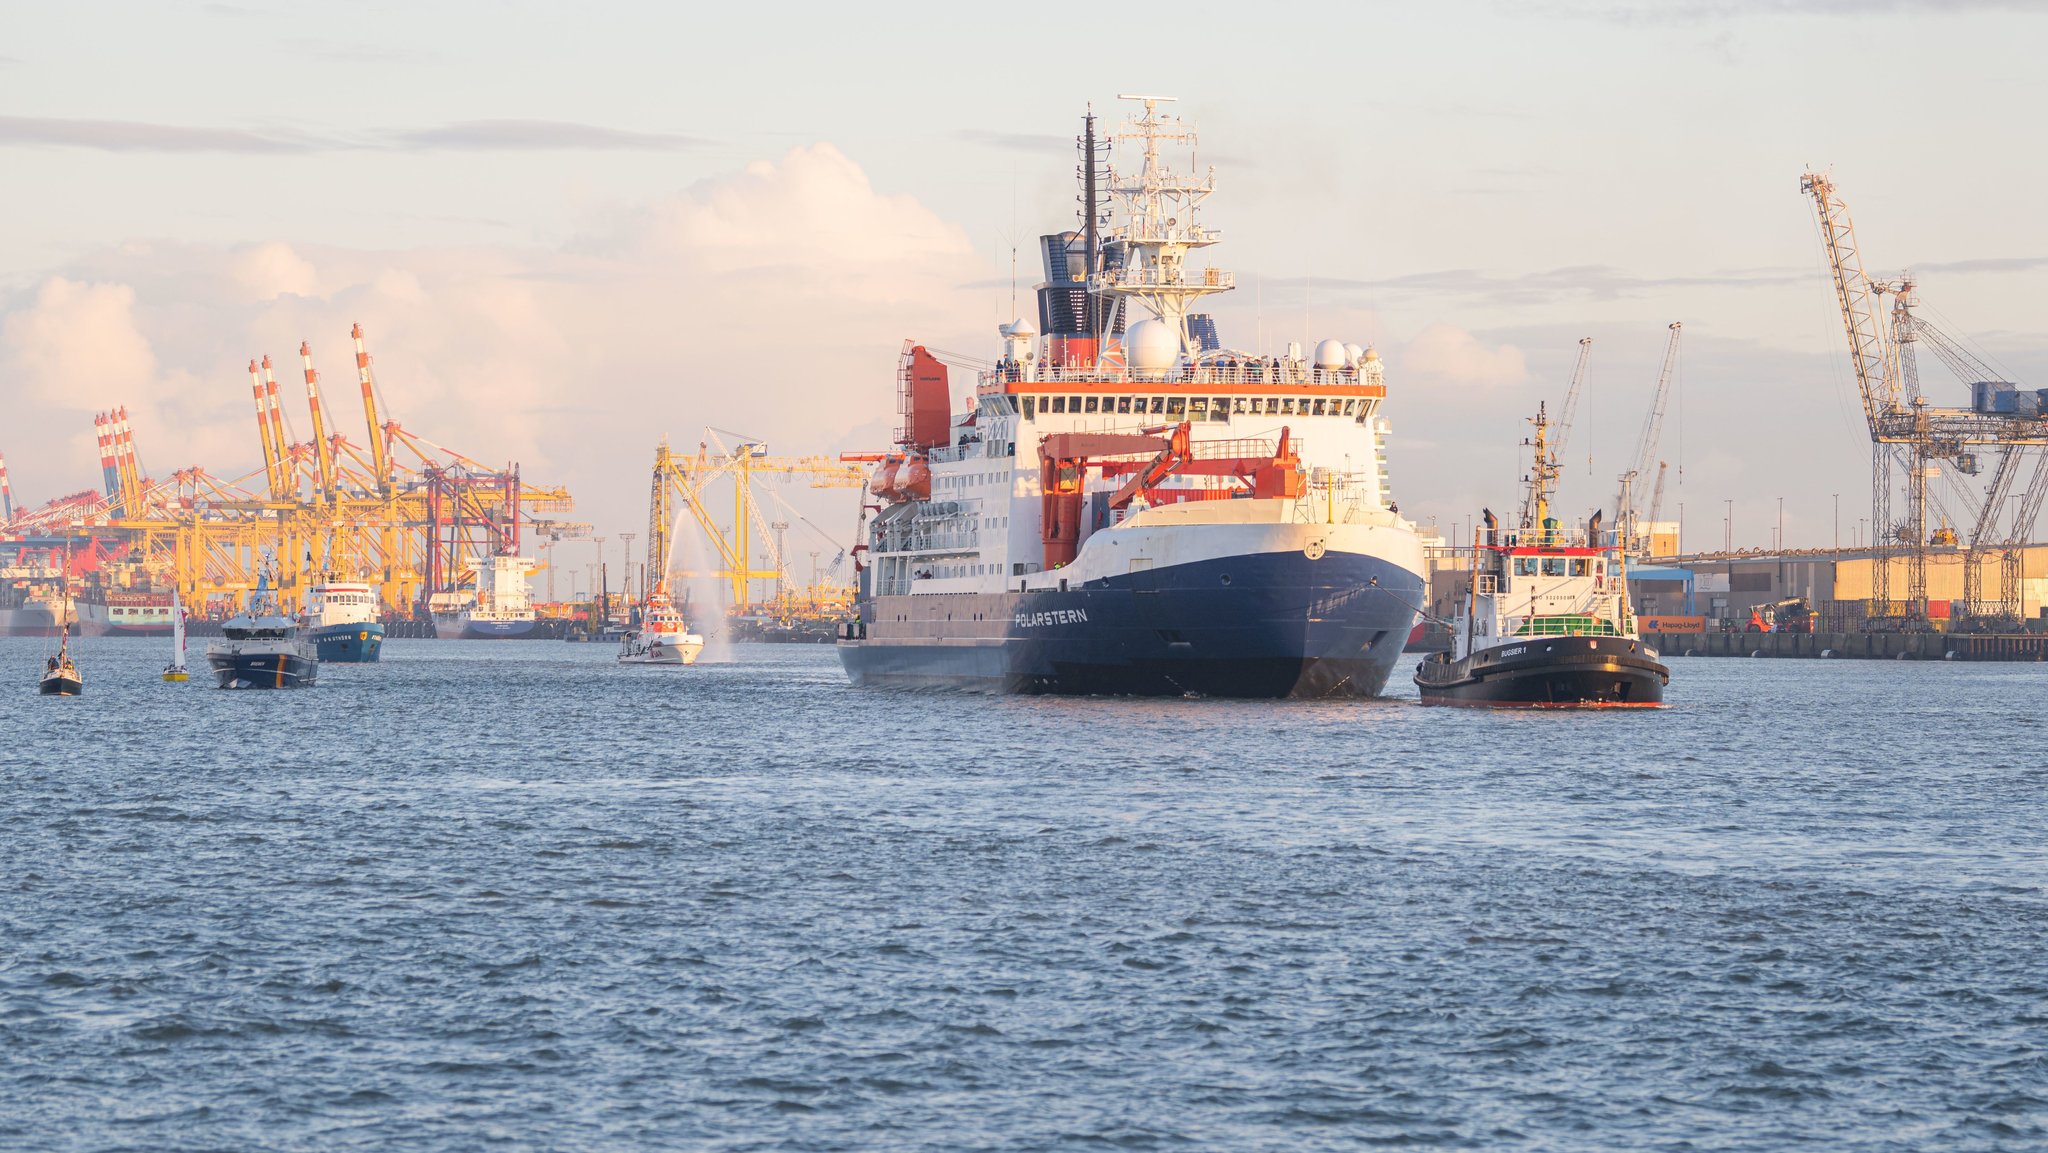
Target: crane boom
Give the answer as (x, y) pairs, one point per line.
(1874, 360)
(1625, 503)
(1657, 494)
(323, 452)
(1543, 481)
(1571, 397)
(380, 460)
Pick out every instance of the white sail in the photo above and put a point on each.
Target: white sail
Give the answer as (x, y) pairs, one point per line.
(177, 631)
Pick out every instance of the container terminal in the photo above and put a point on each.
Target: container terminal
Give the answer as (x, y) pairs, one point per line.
(413, 518)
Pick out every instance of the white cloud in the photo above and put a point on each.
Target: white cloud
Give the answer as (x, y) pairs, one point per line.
(75, 341)
(271, 270)
(771, 300)
(1444, 356)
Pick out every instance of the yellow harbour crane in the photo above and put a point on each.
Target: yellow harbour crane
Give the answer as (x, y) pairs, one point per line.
(402, 512)
(697, 482)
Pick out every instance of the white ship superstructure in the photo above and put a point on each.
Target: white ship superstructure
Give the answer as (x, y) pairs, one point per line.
(1145, 510)
(499, 607)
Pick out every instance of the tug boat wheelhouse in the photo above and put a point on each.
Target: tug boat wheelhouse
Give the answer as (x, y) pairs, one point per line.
(1136, 511)
(1547, 621)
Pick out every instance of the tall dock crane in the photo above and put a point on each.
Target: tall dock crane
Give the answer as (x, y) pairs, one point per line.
(1548, 468)
(686, 482)
(1626, 520)
(1910, 434)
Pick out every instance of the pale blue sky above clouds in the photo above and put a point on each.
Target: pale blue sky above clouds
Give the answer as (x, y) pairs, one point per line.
(564, 225)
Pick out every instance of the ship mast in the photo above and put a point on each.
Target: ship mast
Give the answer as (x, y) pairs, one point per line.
(1159, 229)
(1543, 472)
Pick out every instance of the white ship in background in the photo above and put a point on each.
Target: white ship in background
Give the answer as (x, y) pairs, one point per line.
(1143, 511)
(499, 607)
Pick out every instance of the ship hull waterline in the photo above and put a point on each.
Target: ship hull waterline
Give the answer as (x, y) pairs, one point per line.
(468, 629)
(347, 644)
(263, 670)
(1271, 625)
(1547, 672)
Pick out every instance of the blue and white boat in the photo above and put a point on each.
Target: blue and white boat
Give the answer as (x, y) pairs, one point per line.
(341, 621)
(262, 648)
(1136, 511)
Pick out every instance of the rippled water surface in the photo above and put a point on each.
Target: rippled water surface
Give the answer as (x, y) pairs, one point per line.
(517, 897)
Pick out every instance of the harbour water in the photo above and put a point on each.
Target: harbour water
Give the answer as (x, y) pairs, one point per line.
(515, 896)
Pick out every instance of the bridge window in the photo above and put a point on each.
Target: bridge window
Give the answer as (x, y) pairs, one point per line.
(1059, 404)
(1176, 406)
(1350, 406)
(1123, 404)
(1578, 566)
(1030, 408)
(1198, 408)
(1073, 404)
(1158, 405)
(1092, 402)
(1553, 566)
(1319, 408)
(1525, 566)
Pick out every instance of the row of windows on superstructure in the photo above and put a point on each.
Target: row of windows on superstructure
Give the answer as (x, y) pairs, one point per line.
(1558, 566)
(935, 572)
(1220, 408)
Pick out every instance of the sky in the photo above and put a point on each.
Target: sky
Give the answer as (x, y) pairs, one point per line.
(571, 230)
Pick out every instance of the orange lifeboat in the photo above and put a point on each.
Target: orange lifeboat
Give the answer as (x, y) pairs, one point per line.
(885, 479)
(917, 479)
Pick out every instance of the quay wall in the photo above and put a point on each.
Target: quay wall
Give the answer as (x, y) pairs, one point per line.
(1854, 646)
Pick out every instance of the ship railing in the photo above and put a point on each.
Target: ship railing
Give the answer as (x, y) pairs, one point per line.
(1208, 372)
(1568, 625)
(951, 454)
(962, 541)
(1155, 277)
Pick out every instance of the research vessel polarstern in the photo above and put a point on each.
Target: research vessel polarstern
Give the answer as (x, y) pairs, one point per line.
(1547, 621)
(1138, 510)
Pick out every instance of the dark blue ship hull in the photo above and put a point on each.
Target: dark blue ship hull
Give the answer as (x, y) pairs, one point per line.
(263, 670)
(1271, 625)
(348, 644)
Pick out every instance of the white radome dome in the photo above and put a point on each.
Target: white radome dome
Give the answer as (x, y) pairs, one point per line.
(1353, 353)
(1330, 354)
(1151, 346)
(1022, 328)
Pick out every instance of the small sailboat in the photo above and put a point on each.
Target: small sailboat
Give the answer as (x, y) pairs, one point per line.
(61, 677)
(175, 671)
